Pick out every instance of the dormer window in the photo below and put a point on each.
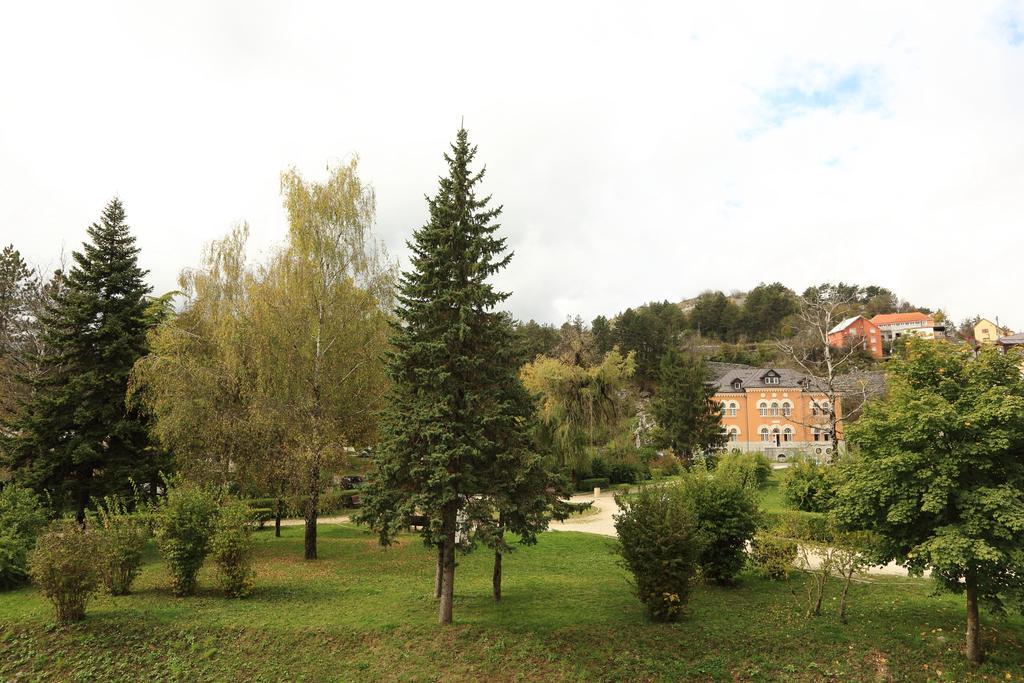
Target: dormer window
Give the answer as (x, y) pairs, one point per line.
(771, 377)
(737, 384)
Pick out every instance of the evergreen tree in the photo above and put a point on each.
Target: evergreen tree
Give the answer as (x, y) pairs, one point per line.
(74, 437)
(602, 332)
(688, 419)
(18, 287)
(457, 422)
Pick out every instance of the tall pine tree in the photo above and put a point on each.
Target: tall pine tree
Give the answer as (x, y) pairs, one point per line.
(688, 418)
(74, 438)
(458, 417)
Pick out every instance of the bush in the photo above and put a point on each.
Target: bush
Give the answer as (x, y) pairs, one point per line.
(805, 526)
(21, 519)
(750, 470)
(65, 567)
(231, 548)
(727, 518)
(670, 466)
(773, 555)
(123, 537)
(591, 484)
(184, 524)
(660, 544)
(807, 485)
(261, 516)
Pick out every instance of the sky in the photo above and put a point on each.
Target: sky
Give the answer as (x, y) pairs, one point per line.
(641, 151)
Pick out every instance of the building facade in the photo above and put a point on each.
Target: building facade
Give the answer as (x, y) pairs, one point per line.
(987, 332)
(896, 325)
(778, 412)
(857, 332)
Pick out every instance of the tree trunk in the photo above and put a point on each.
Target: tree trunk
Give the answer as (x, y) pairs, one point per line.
(842, 598)
(439, 573)
(973, 649)
(448, 576)
(277, 517)
(819, 584)
(496, 577)
(311, 513)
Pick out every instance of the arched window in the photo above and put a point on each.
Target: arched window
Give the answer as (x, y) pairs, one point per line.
(776, 436)
(787, 408)
(814, 408)
(733, 408)
(764, 435)
(734, 434)
(762, 408)
(787, 434)
(775, 409)
(826, 408)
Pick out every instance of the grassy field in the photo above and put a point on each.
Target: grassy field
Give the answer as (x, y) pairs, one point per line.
(362, 613)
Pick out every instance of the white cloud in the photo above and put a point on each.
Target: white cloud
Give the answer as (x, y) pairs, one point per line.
(641, 152)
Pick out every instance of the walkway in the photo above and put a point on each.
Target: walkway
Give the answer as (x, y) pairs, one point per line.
(603, 524)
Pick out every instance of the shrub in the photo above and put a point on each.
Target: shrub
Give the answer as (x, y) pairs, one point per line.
(65, 566)
(727, 519)
(591, 484)
(21, 519)
(231, 548)
(184, 524)
(773, 555)
(123, 537)
(660, 544)
(750, 470)
(807, 485)
(670, 466)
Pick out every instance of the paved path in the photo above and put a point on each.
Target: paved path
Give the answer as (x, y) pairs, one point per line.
(340, 519)
(602, 524)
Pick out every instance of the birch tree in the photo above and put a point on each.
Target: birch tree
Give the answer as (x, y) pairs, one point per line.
(318, 322)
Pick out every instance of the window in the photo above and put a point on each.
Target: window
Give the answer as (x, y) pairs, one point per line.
(771, 379)
(826, 408)
(737, 384)
(775, 409)
(826, 435)
(733, 409)
(734, 434)
(787, 434)
(787, 408)
(762, 408)
(814, 408)
(817, 433)
(764, 435)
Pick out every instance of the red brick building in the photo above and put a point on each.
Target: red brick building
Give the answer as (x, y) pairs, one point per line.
(857, 332)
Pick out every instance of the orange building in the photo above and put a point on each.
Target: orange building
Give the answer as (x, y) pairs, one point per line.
(857, 332)
(780, 413)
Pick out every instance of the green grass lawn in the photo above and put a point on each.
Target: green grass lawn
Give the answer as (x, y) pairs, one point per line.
(771, 496)
(363, 613)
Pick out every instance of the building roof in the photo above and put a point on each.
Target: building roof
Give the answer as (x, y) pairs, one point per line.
(896, 318)
(1012, 340)
(846, 323)
(723, 375)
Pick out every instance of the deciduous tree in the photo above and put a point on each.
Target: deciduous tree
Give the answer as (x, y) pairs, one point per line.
(941, 478)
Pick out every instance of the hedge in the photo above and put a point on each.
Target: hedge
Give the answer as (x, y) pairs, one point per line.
(591, 484)
(330, 503)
